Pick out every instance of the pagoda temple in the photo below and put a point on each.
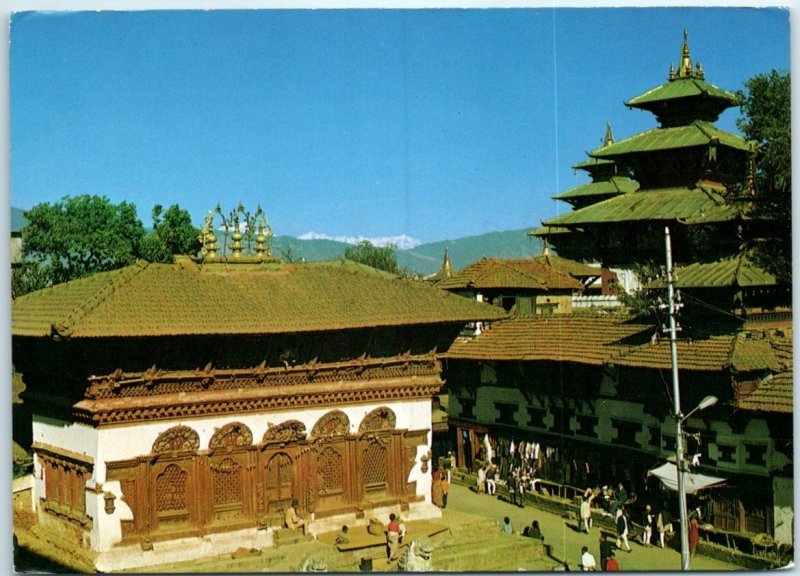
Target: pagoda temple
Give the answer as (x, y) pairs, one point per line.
(686, 169)
(693, 178)
(179, 409)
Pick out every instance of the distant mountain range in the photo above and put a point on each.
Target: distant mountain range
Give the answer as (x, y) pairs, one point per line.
(426, 258)
(423, 259)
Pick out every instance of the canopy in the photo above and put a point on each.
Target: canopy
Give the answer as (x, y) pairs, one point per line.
(668, 474)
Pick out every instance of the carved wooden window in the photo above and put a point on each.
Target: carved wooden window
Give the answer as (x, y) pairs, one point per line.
(329, 471)
(65, 484)
(382, 418)
(232, 435)
(332, 424)
(227, 482)
(171, 489)
(375, 465)
(177, 438)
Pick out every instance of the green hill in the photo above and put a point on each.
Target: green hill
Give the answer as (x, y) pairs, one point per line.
(427, 258)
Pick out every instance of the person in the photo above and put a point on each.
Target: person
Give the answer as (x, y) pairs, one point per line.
(586, 512)
(588, 563)
(535, 531)
(664, 524)
(648, 521)
(293, 521)
(622, 495)
(392, 538)
(481, 481)
(612, 565)
(512, 488)
(622, 529)
(437, 496)
(448, 464)
(694, 535)
(343, 538)
(445, 490)
(491, 480)
(506, 527)
(606, 550)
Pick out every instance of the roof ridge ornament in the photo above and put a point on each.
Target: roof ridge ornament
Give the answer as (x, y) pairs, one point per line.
(685, 68)
(244, 228)
(609, 137)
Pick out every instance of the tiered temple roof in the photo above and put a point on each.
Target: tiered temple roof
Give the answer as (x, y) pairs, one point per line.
(686, 169)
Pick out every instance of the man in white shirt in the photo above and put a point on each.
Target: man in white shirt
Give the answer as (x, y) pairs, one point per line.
(587, 560)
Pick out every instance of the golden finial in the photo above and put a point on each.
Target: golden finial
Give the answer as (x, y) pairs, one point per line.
(685, 68)
(447, 267)
(609, 137)
(239, 224)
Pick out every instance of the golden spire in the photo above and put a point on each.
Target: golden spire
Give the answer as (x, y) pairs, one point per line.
(609, 137)
(685, 68)
(447, 268)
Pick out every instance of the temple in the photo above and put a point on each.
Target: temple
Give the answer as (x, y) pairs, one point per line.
(179, 409)
(590, 389)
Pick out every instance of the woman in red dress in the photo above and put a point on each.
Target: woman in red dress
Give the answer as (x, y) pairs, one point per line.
(694, 535)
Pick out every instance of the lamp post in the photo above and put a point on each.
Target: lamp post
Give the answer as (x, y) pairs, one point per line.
(679, 417)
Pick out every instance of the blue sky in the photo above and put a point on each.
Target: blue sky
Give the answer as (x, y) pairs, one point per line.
(432, 123)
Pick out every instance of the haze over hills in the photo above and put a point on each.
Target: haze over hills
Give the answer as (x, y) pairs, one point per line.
(426, 258)
(423, 259)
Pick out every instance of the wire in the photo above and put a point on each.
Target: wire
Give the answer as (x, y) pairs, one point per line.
(709, 306)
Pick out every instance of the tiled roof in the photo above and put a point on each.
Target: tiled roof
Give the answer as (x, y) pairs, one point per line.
(698, 133)
(682, 88)
(571, 267)
(653, 204)
(520, 273)
(611, 187)
(762, 350)
(771, 349)
(703, 354)
(774, 394)
(735, 271)
(586, 339)
(182, 299)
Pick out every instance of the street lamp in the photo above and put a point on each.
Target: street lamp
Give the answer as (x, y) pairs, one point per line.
(679, 417)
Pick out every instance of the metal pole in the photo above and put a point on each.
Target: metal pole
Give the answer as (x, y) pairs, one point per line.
(676, 393)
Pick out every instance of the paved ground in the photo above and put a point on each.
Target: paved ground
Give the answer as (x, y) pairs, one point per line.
(567, 541)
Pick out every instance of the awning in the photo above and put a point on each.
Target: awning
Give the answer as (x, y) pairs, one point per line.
(668, 474)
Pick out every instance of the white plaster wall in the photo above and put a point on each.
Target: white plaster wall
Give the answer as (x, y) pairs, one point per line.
(129, 441)
(783, 504)
(77, 438)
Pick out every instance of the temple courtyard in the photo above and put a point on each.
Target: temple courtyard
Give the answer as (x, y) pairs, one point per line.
(471, 541)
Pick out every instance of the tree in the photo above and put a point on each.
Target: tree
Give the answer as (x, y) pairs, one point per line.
(382, 258)
(174, 227)
(81, 235)
(766, 109)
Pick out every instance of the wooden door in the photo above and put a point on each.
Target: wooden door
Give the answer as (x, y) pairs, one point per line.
(279, 482)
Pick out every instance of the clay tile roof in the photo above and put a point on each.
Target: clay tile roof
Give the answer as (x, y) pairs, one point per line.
(522, 273)
(567, 266)
(588, 339)
(163, 300)
(763, 350)
(710, 353)
(774, 394)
